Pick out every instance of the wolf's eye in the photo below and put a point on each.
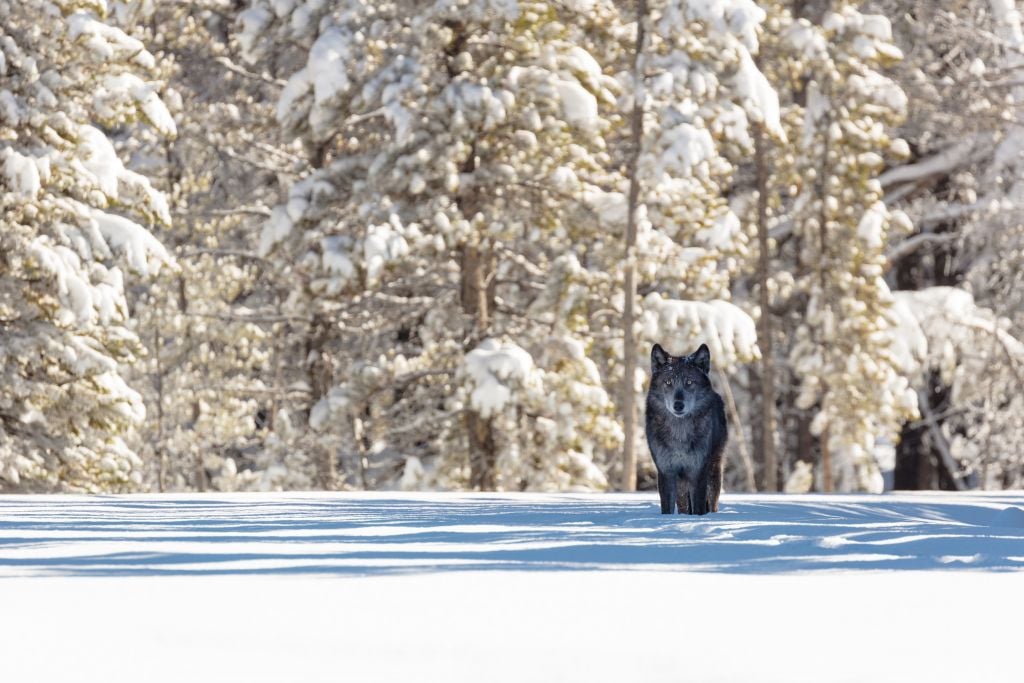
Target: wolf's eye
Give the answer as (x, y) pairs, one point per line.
(689, 382)
(668, 382)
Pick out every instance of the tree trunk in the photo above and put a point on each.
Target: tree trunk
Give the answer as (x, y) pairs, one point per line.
(738, 436)
(827, 483)
(319, 374)
(482, 452)
(474, 288)
(475, 301)
(804, 438)
(476, 293)
(629, 348)
(161, 453)
(199, 471)
(358, 436)
(766, 444)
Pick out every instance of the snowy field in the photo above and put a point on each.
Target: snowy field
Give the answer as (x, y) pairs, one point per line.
(510, 587)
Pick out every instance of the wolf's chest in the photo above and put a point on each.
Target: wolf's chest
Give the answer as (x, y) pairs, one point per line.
(678, 451)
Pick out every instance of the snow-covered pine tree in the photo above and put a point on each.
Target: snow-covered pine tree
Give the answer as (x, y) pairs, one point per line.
(209, 326)
(843, 352)
(702, 93)
(961, 186)
(70, 228)
(451, 149)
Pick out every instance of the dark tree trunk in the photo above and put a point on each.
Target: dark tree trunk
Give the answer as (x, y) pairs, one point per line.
(766, 443)
(482, 452)
(476, 294)
(320, 376)
(629, 348)
(475, 302)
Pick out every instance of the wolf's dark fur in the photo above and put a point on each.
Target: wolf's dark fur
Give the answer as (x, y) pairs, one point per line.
(686, 431)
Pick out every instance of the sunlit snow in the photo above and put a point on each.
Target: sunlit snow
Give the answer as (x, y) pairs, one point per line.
(507, 587)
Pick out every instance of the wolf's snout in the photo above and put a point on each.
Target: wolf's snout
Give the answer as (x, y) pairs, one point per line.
(677, 406)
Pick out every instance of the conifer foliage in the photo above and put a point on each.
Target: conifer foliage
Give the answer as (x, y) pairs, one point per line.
(421, 245)
(72, 230)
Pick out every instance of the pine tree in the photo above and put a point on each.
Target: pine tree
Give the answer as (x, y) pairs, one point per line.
(960, 184)
(449, 162)
(842, 354)
(210, 326)
(70, 234)
(702, 95)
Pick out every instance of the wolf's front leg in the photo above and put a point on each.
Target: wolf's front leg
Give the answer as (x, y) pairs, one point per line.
(684, 498)
(698, 496)
(714, 489)
(667, 494)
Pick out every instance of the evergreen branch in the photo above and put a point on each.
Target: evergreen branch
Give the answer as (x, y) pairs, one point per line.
(242, 71)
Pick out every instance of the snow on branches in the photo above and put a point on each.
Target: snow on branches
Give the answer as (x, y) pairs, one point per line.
(71, 226)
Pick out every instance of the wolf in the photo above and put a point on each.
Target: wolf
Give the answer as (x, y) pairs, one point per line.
(686, 431)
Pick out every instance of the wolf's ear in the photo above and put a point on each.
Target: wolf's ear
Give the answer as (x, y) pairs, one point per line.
(702, 358)
(658, 357)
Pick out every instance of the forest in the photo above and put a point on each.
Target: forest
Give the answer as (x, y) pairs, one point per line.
(428, 244)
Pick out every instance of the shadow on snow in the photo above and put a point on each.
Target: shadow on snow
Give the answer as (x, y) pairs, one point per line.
(382, 534)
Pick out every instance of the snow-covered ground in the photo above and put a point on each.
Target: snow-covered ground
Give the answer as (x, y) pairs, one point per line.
(510, 587)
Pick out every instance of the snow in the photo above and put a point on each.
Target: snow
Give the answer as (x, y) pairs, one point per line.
(125, 87)
(944, 326)
(681, 326)
(335, 257)
(741, 17)
(253, 22)
(578, 105)
(611, 208)
(759, 98)
(10, 111)
(1009, 517)
(326, 68)
(722, 233)
(384, 244)
(578, 59)
(277, 227)
(108, 42)
(508, 587)
(871, 227)
(880, 89)
(1009, 20)
(496, 369)
(329, 407)
(805, 39)
(941, 163)
(401, 119)
(21, 172)
(681, 148)
(298, 88)
(74, 291)
(100, 159)
(142, 251)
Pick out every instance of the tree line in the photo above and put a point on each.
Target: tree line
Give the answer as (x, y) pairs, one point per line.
(302, 244)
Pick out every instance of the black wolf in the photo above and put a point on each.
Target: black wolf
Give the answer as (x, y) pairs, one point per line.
(686, 431)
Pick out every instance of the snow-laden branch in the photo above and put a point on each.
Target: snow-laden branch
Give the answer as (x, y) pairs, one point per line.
(939, 164)
(242, 71)
(912, 244)
(236, 253)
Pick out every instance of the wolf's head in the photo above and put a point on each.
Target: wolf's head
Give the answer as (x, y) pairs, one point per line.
(680, 383)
